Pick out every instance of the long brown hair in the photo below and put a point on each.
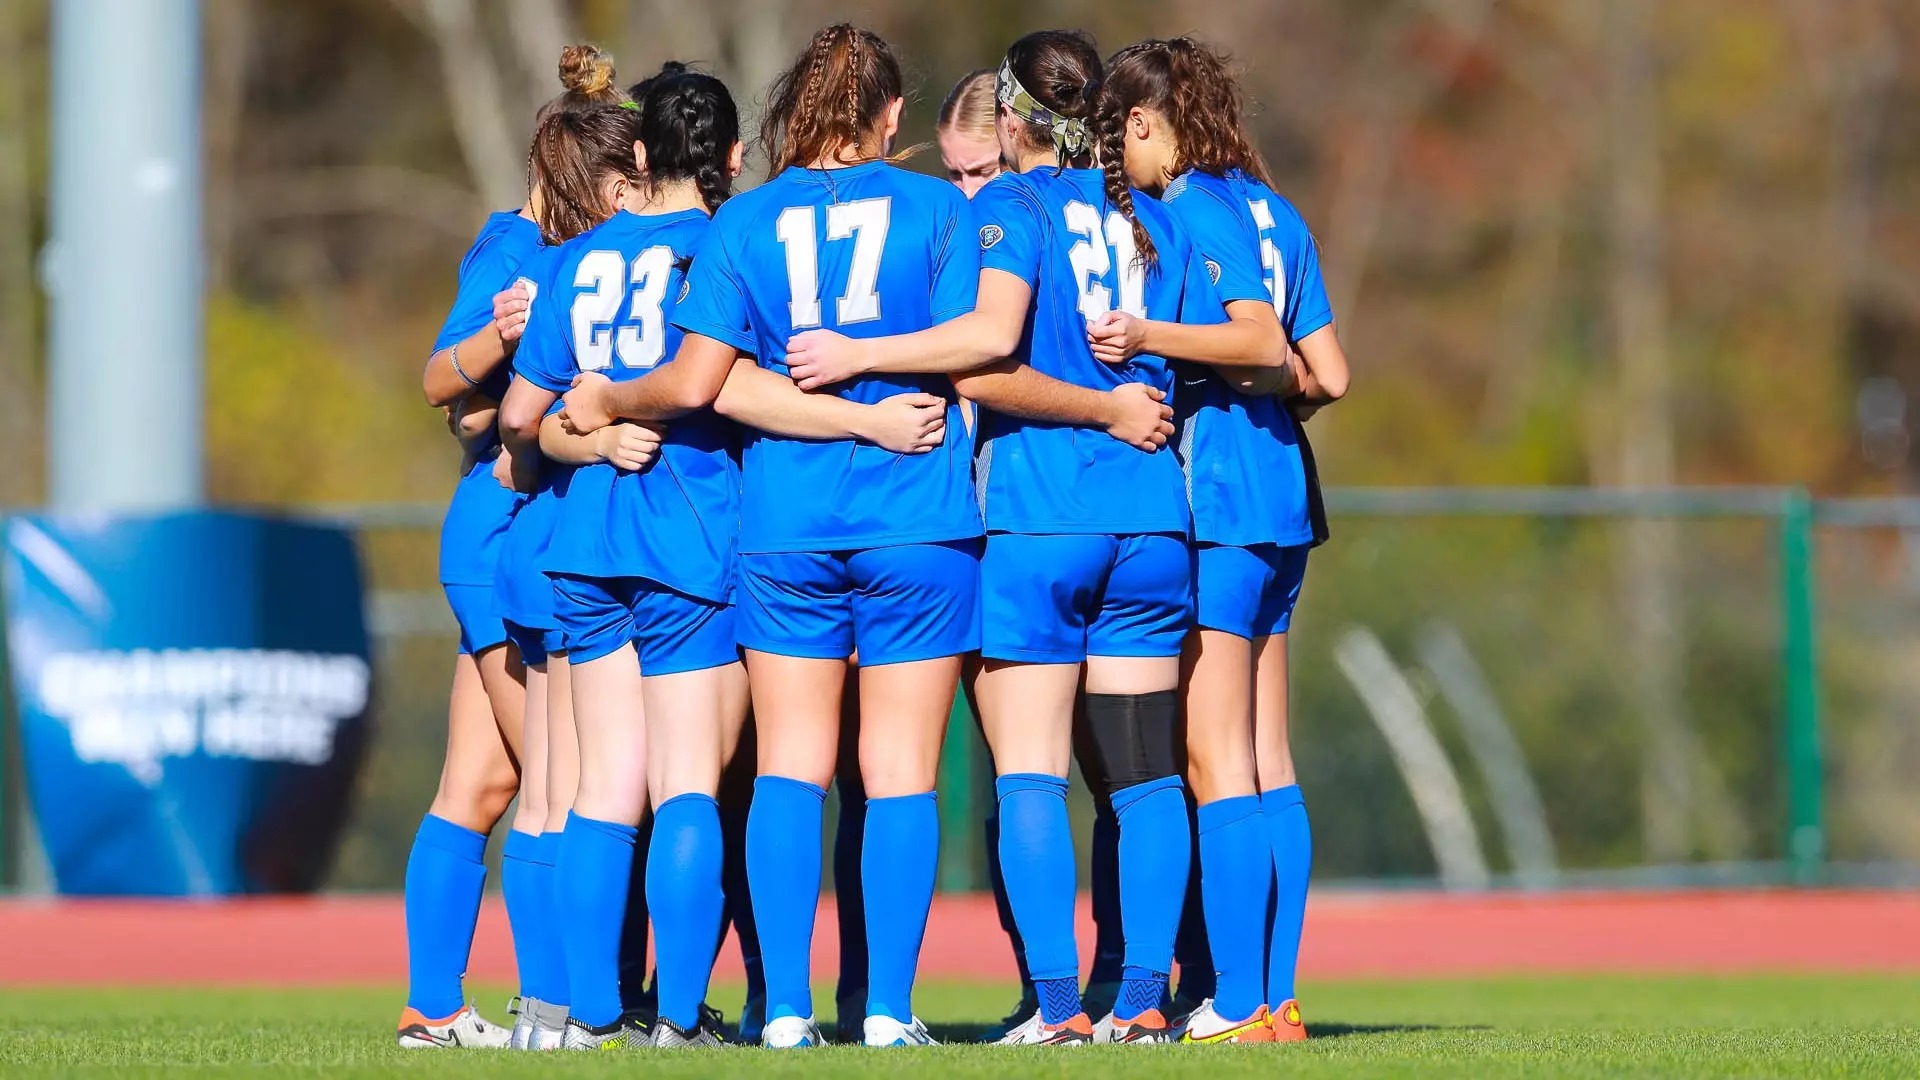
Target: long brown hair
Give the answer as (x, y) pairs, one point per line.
(574, 154)
(1061, 70)
(836, 92)
(1193, 86)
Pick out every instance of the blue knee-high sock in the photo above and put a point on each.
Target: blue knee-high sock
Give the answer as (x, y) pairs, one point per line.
(636, 996)
(1285, 814)
(594, 875)
(1155, 856)
(1001, 906)
(684, 898)
(1190, 949)
(1036, 855)
(1237, 871)
(902, 855)
(783, 873)
(520, 886)
(849, 894)
(1109, 935)
(444, 877)
(550, 969)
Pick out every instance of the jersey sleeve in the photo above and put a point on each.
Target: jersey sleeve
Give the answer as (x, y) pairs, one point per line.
(1010, 230)
(956, 262)
(1227, 242)
(545, 354)
(1307, 307)
(715, 304)
(486, 270)
(1199, 301)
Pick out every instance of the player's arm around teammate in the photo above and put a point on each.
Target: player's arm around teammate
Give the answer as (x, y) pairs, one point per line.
(844, 544)
(566, 160)
(466, 372)
(1177, 110)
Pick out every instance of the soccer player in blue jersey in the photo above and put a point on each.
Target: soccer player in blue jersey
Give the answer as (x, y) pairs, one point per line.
(1178, 110)
(467, 374)
(641, 562)
(1085, 577)
(844, 544)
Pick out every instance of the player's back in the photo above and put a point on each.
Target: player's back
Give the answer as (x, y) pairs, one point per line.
(606, 308)
(869, 251)
(1241, 453)
(1057, 230)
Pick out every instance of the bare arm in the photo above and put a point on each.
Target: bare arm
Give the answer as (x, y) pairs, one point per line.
(520, 415)
(1134, 413)
(1250, 338)
(1324, 376)
(630, 445)
(990, 331)
(758, 398)
(473, 421)
(692, 381)
(481, 354)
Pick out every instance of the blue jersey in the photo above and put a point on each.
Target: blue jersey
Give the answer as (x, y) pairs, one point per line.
(869, 251)
(522, 592)
(1242, 453)
(1056, 231)
(606, 308)
(477, 517)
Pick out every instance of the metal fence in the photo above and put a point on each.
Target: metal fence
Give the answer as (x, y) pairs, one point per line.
(1493, 687)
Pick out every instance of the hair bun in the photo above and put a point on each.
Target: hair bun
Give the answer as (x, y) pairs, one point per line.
(585, 70)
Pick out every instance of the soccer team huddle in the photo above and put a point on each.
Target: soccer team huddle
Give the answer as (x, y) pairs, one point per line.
(757, 482)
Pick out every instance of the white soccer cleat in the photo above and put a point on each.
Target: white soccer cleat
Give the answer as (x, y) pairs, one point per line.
(466, 1028)
(886, 1031)
(791, 1033)
(1076, 1031)
(1206, 1025)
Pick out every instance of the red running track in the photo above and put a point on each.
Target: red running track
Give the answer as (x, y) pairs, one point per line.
(1349, 935)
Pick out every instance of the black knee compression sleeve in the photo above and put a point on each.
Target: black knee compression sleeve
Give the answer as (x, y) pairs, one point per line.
(1132, 738)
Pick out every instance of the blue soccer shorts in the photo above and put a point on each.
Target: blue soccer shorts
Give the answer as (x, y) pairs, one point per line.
(894, 604)
(535, 643)
(1059, 599)
(1248, 591)
(671, 631)
(480, 628)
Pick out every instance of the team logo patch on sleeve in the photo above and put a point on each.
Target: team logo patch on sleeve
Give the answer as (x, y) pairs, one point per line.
(686, 286)
(1213, 270)
(990, 235)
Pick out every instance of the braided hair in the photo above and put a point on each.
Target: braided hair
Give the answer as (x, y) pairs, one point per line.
(831, 99)
(1194, 88)
(688, 123)
(1061, 70)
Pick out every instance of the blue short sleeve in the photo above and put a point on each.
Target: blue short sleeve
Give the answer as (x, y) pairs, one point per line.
(488, 267)
(1307, 307)
(1199, 301)
(956, 263)
(1227, 241)
(545, 354)
(715, 304)
(1010, 230)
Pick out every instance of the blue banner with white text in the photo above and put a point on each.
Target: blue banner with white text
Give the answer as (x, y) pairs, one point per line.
(192, 693)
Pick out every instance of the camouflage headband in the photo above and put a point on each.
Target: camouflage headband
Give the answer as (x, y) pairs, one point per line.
(1071, 137)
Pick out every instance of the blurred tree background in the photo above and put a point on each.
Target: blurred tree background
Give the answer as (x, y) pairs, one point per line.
(1611, 242)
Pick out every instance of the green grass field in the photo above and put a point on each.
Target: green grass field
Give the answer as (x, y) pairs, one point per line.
(1764, 1027)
